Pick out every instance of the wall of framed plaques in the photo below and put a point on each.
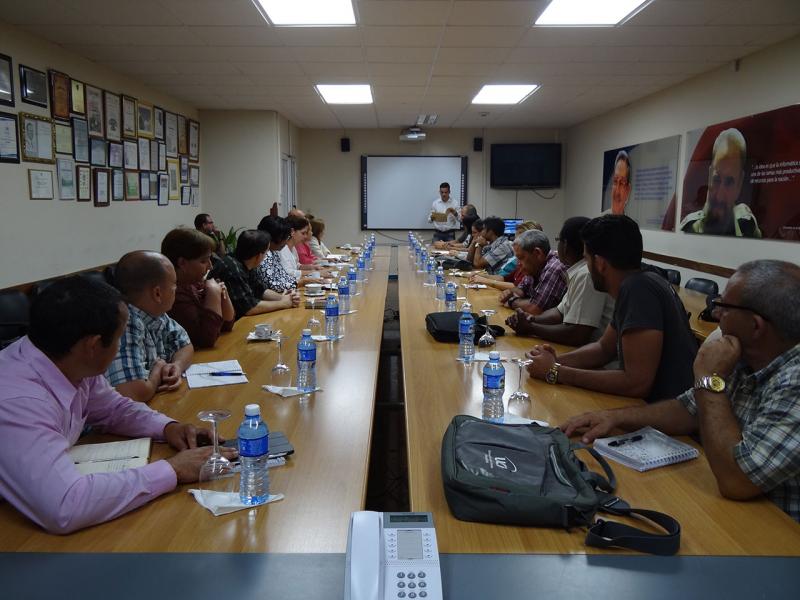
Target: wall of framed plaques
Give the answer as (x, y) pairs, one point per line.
(74, 137)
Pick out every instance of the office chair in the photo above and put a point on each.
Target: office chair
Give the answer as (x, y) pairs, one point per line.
(702, 285)
(673, 276)
(14, 316)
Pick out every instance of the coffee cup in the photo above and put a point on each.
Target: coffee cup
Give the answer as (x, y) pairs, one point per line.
(263, 331)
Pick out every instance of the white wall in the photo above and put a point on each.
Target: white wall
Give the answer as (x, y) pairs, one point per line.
(329, 180)
(765, 81)
(46, 238)
(240, 179)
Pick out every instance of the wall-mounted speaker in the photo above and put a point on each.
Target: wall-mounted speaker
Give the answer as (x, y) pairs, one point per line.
(477, 144)
(345, 144)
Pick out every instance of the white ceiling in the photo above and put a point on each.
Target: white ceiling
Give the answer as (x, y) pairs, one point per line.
(420, 56)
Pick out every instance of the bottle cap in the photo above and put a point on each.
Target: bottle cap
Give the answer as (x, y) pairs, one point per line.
(494, 355)
(252, 410)
(307, 332)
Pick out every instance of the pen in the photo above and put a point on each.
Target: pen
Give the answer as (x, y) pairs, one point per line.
(97, 460)
(225, 373)
(621, 442)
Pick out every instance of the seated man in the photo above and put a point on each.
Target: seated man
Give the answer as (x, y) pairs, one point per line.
(545, 276)
(649, 332)
(584, 313)
(468, 216)
(511, 274)
(155, 350)
(52, 387)
(248, 295)
(205, 224)
(492, 248)
(745, 402)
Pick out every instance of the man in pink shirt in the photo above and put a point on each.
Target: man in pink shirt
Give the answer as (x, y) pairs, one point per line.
(53, 386)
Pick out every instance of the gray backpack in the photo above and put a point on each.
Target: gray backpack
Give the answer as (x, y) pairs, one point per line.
(530, 475)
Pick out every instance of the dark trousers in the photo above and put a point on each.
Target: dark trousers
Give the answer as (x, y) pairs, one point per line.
(444, 236)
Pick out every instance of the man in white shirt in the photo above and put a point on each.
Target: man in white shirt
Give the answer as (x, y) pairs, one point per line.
(445, 230)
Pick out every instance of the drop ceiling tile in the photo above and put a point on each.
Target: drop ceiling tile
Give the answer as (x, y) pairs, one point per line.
(759, 12)
(256, 35)
(124, 12)
(465, 69)
(410, 80)
(408, 70)
(327, 54)
(472, 55)
(672, 12)
(403, 13)
(253, 53)
(496, 12)
(488, 37)
(41, 12)
(344, 69)
(772, 34)
(142, 68)
(390, 54)
(398, 93)
(214, 12)
(402, 36)
(319, 36)
(203, 67)
(268, 68)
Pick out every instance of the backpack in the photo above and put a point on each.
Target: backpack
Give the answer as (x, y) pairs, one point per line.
(443, 326)
(529, 475)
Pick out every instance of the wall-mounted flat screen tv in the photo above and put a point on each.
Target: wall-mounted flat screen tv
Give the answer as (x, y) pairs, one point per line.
(526, 166)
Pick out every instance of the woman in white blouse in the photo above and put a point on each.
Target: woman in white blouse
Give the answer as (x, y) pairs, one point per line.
(300, 231)
(318, 249)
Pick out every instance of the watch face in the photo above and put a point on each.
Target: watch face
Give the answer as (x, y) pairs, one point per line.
(716, 383)
(551, 376)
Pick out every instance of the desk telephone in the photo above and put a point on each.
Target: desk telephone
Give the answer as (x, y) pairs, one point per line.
(392, 556)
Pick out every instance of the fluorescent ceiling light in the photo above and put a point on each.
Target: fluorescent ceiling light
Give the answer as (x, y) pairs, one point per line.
(345, 94)
(589, 12)
(310, 13)
(504, 94)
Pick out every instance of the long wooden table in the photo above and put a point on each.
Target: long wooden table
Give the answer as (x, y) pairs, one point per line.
(438, 388)
(323, 481)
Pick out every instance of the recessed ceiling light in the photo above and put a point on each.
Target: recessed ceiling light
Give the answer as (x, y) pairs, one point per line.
(345, 94)
(504, 94)
(588, 13)
(308, 13)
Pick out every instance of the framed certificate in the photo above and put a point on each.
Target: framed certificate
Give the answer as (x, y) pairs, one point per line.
(94, 111)
(113, 117)
(194, 141)
(83, 175)
(117, 185)
(80, 140)
(37, 138)
(40, 184)
(65, 169)
(129, 116)
(59, 95)
(131, 185)
(9, 138)
(102, 185)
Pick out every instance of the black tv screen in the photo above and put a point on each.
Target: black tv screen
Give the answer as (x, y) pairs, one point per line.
(526, 166)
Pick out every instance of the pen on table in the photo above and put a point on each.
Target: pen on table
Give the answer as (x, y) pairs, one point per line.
(96, 460)
(635, 438)
(225, 373)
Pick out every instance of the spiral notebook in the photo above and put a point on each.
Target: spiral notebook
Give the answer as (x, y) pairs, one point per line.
(645, 449)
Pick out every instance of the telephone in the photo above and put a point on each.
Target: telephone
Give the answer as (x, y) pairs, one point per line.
(392, 556)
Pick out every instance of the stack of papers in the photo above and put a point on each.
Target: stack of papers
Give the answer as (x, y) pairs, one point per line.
(111, 457)
(222, 372)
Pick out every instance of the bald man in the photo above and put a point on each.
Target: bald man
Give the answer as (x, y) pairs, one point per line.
(723, 214)
(154, 350)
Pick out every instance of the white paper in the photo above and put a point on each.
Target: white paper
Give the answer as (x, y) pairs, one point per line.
(110, 457)
(197, 375)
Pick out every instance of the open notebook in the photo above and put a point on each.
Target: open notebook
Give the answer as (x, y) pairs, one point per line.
(645, 449)
(110, 457)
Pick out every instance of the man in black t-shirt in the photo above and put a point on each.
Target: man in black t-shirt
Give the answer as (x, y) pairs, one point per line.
(649, 333)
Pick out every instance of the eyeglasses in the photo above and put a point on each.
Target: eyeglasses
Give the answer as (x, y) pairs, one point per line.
(716, 303)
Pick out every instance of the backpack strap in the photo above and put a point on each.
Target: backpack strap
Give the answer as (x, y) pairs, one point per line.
(611, 534)
(607, 484)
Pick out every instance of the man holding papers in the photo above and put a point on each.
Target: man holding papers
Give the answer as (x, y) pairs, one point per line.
(53, 386)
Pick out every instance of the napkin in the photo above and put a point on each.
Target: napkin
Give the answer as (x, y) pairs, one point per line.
(251, 337)
(323, 338)
(286, 392)
(222, 503)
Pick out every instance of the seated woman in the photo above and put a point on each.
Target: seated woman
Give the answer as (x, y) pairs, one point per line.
(202, 306)
(510, 274)
(318, 249)
(300, 234)
(248, 297)
(469, 216)
(271, 274)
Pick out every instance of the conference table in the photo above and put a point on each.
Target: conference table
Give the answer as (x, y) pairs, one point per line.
(294, 548)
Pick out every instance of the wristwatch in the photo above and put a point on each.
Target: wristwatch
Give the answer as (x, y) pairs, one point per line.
(712, 383)
(552, 375)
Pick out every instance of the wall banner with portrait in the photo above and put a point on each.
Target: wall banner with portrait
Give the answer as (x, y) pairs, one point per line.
(640, 181)
(742, 177)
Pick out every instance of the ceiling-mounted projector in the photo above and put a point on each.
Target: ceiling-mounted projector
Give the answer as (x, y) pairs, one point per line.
(412, 134)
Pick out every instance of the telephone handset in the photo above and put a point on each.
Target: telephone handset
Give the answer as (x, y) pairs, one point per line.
(392, 556)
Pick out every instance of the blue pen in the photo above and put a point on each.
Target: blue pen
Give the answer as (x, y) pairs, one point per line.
(225, 373)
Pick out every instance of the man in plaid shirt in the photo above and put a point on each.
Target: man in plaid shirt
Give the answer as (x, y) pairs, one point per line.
(154, 350)
(491, 249)
(545, 279)
(746, 400)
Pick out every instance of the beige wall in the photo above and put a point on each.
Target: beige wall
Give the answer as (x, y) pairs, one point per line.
(46, 238)
(766, 80)
(240, 177)
(329, 180)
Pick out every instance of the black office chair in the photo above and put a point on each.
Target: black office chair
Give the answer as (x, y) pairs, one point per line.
(702, 285)
(673, 276)
(14, 316)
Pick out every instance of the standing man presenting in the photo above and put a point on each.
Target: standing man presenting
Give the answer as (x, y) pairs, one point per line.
(444, 216)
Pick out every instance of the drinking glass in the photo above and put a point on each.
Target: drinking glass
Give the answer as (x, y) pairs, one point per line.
(216, 474)
(313, 322)
(281, 373)
(487, 339)
(520, 400)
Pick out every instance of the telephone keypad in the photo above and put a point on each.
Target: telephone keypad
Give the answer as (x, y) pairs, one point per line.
(401, 584)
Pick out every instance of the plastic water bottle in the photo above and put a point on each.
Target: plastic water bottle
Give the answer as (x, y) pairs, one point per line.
(352, 279)
(360, 272)
(306, 363)
(431, 271)
(253, 453)
(332, 318)
(440, 283)
(466, 335)
(450, 296)
(344, 296)
(494, 384)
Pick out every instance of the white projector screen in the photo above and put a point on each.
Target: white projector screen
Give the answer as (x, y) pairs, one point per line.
(397, 191)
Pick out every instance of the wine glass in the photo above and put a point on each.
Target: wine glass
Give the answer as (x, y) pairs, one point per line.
(487, 339)
(313, 322)
(281, 373)
(520, 400)
(216, 474)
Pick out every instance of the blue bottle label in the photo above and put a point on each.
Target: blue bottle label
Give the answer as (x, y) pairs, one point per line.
(466, 327)
(494, 382)
(450, 296)
(352, 275)
(256, 447)
(439, 279)
(331, 311)
(308, 355)
(344, 290)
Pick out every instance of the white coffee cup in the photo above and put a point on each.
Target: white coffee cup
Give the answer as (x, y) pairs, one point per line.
(263, 331)
(314, 288)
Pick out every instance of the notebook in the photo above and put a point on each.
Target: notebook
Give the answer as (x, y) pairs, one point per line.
(645, 449)
(110, 457)
(210, 374)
